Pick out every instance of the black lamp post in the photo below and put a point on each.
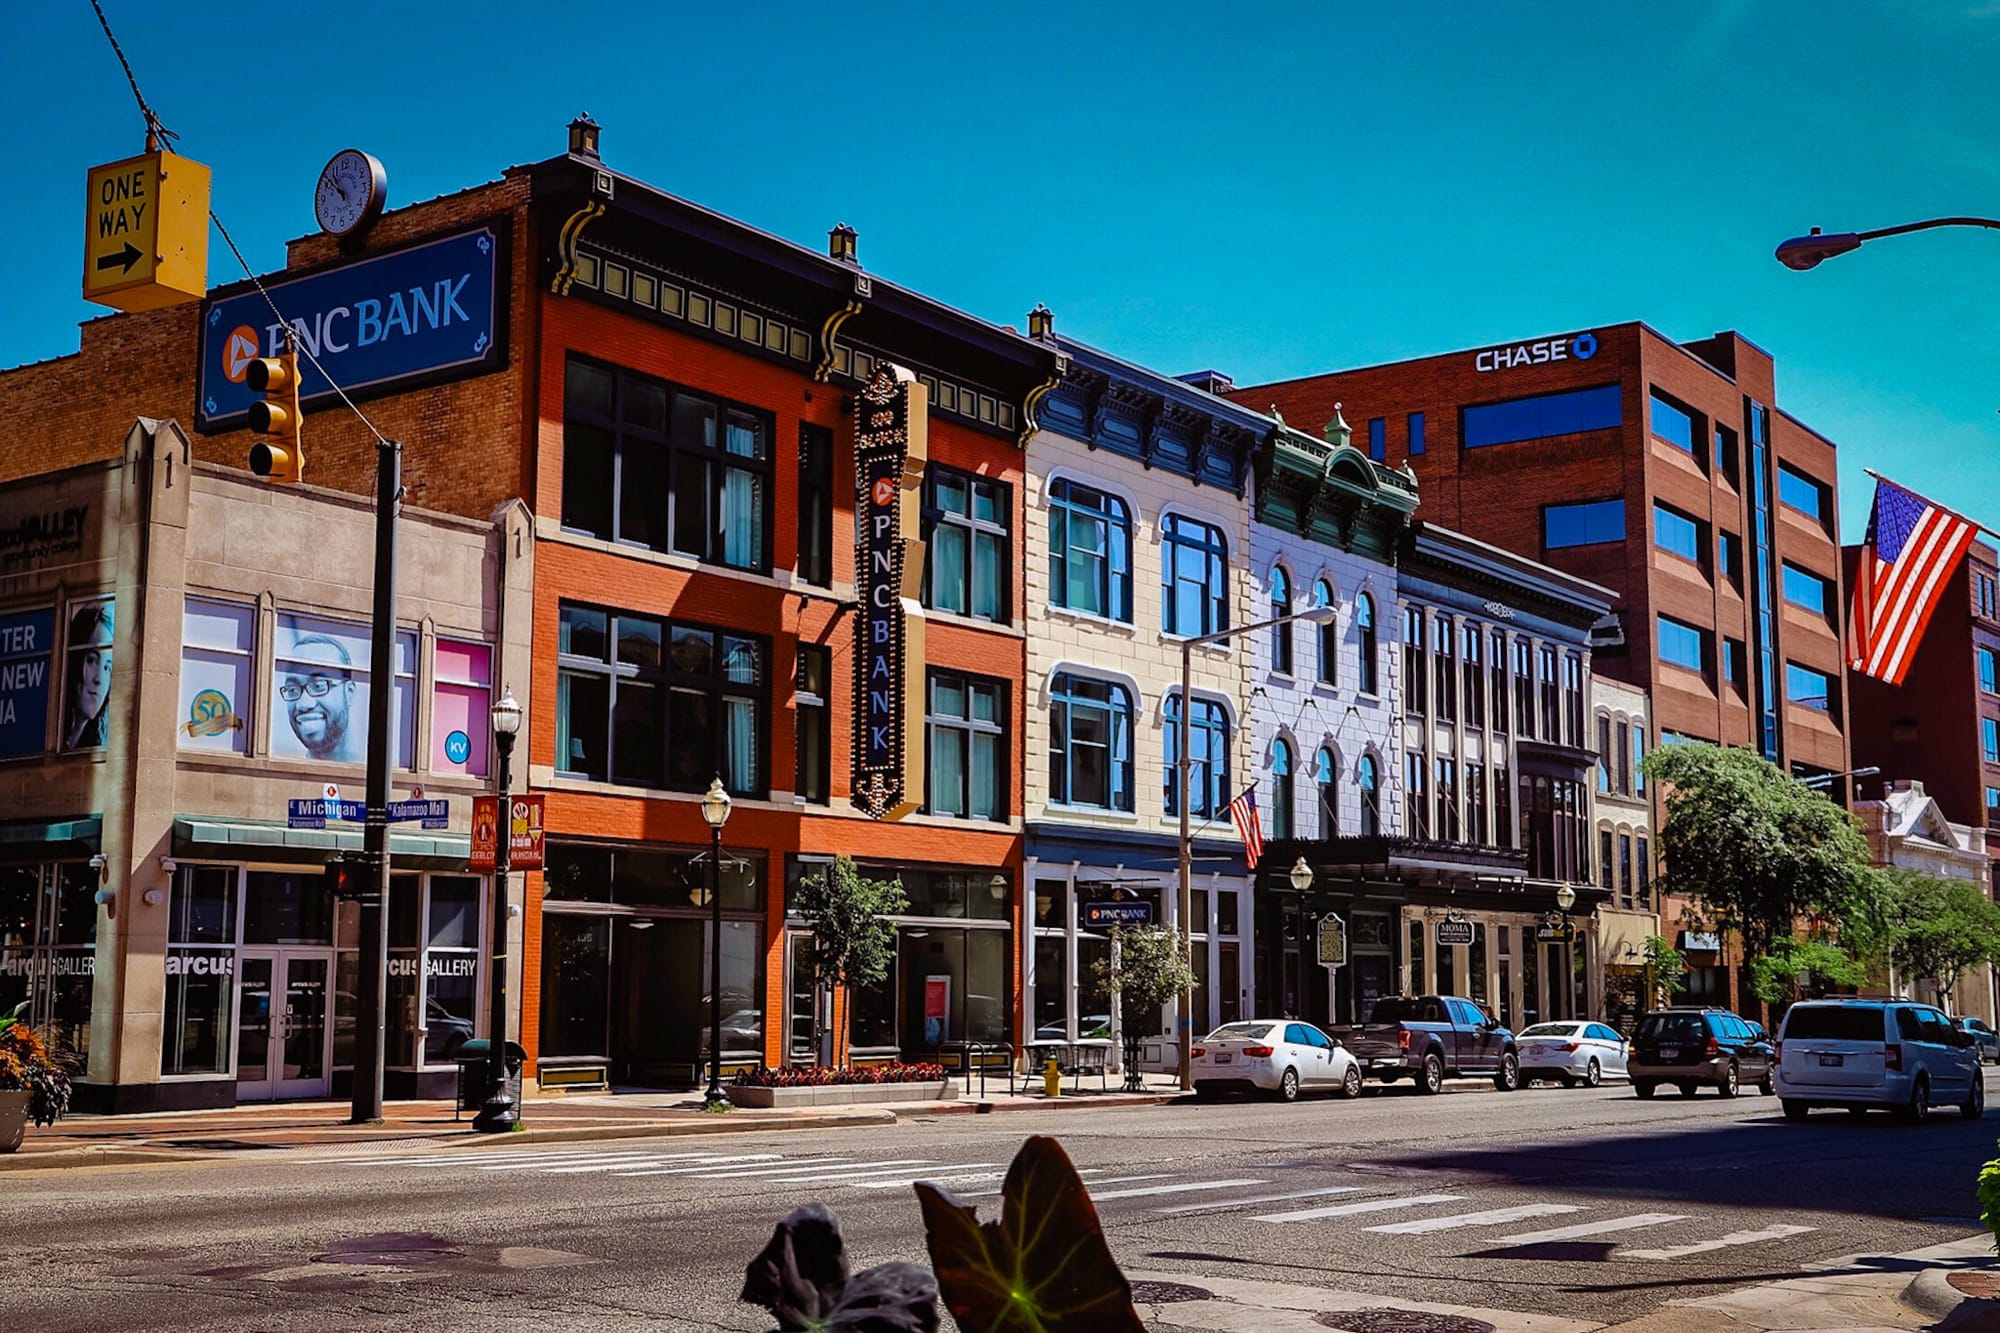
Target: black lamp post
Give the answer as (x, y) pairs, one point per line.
(1566, 899)
(499, 1113)
(715, 806)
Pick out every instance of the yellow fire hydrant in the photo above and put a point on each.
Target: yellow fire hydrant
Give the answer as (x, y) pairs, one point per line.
(1052, 1078)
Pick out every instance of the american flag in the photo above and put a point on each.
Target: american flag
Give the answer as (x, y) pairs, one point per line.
(1909, 555)
(1243, 813)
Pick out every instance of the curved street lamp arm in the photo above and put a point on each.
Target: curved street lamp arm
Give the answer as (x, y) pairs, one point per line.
(1926, 226)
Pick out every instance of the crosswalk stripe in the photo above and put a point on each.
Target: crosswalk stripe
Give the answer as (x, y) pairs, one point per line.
(1777, 1232)
(1146, 1191)
(532, 1163)
(832, 1164)
(958, 1176)
(1583, 1229)
(1351, 1209)
(705, 1159)
(840, 1176)
(469, 1158)
(746, 1157)
(1490, 1217)
(1217, 1205)
(1087, 1171)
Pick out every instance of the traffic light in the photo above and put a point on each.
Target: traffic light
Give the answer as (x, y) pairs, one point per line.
(276, 415)
(344, 878)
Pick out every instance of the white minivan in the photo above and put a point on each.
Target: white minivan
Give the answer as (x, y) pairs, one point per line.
(1886, 1054)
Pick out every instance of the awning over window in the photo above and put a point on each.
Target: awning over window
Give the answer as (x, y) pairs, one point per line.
(204, 837)
(50, 839)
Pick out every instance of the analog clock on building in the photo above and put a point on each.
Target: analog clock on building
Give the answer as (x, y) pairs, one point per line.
(349, 195)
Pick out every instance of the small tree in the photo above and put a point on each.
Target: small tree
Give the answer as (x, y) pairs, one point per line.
(1666, 967)
(1804, 969)
(1146, 970)
(852, 945)
(1933, 929)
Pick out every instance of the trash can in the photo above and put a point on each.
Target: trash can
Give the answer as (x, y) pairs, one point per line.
(475, 1075)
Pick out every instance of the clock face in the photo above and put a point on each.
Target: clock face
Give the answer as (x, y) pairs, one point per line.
(349, 192)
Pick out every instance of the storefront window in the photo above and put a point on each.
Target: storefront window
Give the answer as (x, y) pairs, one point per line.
(460, 707)
(871, 1020)
(48, 950)
(289, 907)
(195, 1037)
(451, 967)
(405, 974)
(979, 897)
(1051, 987)
(217, 643)
(576, 971)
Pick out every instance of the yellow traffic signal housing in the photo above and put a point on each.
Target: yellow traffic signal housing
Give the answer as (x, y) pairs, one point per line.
(276, 415)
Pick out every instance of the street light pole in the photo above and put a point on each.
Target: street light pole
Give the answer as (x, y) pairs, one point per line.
(499, 1113)
(1803, 252)
(715, 806)
(372, 984)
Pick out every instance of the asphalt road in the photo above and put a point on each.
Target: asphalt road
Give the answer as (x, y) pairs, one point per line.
(1589, 1204)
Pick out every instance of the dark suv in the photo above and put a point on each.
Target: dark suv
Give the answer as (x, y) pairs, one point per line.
(1689, 1046)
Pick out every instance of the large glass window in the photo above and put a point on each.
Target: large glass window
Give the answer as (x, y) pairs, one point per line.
(195, 1037)
(1446, 660)
(1989, 670)
(1808, 688)
(1583, 524)
(1378, 438)
(461, 707)
(815, 505)
(1367, 778)
(1683, 645)
(451, 965)
(967, 727)
(1806, 589)
(1989, 740)
(657, 466)
(1282, 790)
(652, 703)
(1326, 780)
(218, 642)
(1195, 572)
(1090, 743)
(966, 522)
(1416, 669)
(1676, 533)
(1416, 807)
(1447, 799)
(1801, 492)
(1208, 752)
(1499, 672)
(812, 762)
(1541, 416)
(1546, 678)
(1416, 424)
(1729, 557)
(1475, 678)
(1328, 636)
(1671, 422)
(1090, 550)
(1281, 633)
(1364, 630)
(319, 706)
(1524, 686)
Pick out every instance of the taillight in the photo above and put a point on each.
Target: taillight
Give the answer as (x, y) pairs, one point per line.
(1403, 1040)
(1892, 1057)
(1197, 1053)
(1713, 1049)
(1566, 1046)
(1256, 1052)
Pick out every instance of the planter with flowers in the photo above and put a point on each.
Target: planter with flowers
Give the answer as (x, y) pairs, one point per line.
(820, 1085)
(33, 1084)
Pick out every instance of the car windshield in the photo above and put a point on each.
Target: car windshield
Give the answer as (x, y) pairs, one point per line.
(1833, 1022)
(1250, 1030)
(1551, 1030)
(1673, 1027)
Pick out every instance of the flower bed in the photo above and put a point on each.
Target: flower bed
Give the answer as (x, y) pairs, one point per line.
(816, 1085)
(825, 1076)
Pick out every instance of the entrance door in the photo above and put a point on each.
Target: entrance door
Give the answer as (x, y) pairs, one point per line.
(282, 1026)
(803, 1038)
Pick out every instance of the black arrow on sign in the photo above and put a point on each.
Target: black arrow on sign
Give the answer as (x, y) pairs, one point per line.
(124, 259)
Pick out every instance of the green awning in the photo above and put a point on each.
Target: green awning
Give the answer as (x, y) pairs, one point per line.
(50, 839)
(204, 836)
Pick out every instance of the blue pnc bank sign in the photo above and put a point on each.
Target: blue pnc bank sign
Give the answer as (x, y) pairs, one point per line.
(428, 313)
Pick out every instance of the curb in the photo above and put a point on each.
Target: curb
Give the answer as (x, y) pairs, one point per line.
(70, 1157)
(1931, 1295)
(975, 1107)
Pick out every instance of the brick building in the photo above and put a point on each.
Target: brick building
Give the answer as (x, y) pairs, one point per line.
(1663, 471)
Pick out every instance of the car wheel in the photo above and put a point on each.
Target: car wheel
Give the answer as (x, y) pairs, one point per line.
(1508, 1077)
(1687, 1089)
(1729, 1085)
(1769, 1087)
(1974, 1106)
(1593, 1074)
(1350, 1083)
(1431, 1079)
(1288, 1086)
(1795, 1110)
(1206, 1092)
(1642, 1088)
(1919, 1108)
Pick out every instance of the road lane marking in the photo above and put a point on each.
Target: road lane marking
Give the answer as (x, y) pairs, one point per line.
(1350, 1209)
(1147, 1191)
(474, 1157)
(691, 1158)
(1583, 1229)
(1088, 1171)
(1778, 1232)
(832, 1164)
(1219, 1205)
(609, 1159)
(845, 1176)
(1490, 1217)
(747, 1157)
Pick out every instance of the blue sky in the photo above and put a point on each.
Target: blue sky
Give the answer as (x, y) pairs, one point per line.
(1270, 190)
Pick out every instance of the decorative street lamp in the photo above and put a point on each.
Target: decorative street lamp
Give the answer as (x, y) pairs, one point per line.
(715, 807)
(1566, 899)
(1804, 252)
(1302, 875)
(499, 1113)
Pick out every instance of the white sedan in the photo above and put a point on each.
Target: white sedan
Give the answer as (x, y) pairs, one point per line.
(1276, 1055)
(1571, 1053)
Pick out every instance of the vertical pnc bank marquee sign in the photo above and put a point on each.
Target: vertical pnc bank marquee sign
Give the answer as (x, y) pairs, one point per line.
(891, 423)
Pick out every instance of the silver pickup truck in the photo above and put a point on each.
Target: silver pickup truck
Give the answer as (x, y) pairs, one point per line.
(1432, 1038)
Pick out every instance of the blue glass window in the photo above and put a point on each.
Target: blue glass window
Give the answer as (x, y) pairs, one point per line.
(1543, 415)
(1378, 439)
(1989, 740)
(1729, 556)
(1090, 551)
(1801, 492)
(1208, 749)
(1364, 630)
(1194, 569)
(1676, 532)
(968, 747)
(1583, 524)
(1371, 796)
(1329, 636)
(1416, 433)
(1090, 743)
(1683, 645)
(1672, 424)
(1281, 633)
(1989, 671)
(1281, 788)
(1808, 688)
(1806, 589)
(1326, 777)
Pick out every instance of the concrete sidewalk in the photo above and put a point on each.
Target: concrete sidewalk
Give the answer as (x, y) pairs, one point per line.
(202, 1135)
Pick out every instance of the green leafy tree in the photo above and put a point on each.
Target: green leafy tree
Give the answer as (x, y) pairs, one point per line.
(1757, 852)
(1666, 967)
(1930, 928)
(1804, 969)
(852, 945)
(1146, 970)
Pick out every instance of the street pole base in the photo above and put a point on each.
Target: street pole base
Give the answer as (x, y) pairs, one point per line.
(715, 1099)
(497, 1115)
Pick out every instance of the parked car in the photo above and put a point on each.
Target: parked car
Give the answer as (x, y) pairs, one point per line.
(1689, 1046)
(1275, 1055)
(1861, 1054)
(1985, 1040)
(1571, 1053)
(1432, 1038)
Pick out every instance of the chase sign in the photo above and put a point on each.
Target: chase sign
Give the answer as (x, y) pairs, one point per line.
(428, 313)
(1546, 351)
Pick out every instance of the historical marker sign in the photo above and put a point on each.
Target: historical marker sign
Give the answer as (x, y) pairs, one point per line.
(1332, 941)
(891, 422)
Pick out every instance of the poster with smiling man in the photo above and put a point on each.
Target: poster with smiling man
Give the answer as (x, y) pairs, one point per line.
(319, 696)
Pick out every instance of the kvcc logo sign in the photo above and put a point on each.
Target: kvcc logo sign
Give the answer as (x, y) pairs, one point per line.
(1581, 347)
(891, 444)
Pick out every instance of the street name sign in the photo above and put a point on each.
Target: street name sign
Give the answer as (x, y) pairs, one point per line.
(435, 814)
(145, 241)
(314, 813)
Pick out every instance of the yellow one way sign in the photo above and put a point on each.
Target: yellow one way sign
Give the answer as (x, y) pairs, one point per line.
(146, 235)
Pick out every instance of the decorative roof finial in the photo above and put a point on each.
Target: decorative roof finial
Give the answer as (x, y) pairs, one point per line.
(1338, 432)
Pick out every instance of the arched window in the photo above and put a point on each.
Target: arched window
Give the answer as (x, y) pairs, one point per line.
(1364, 624)
(1090, 551)
(1281, 789)
(1329, 636)
(1281, 633)
(1194, 572)
(1371, 797)
(1327, 777)
(1090, 743)
(1208, 751)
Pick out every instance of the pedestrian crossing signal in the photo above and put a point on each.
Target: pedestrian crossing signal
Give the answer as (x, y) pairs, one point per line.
(344, 878)
(276, 415)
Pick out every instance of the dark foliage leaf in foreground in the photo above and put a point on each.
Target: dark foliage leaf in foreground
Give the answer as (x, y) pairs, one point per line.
(801, 1278)
(1042, 1268)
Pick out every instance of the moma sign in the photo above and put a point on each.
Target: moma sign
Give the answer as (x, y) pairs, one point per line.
(891, 421)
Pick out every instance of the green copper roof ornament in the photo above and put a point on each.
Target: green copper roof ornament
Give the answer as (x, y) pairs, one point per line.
(1338, 433)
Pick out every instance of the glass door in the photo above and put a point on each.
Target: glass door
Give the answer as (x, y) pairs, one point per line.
(282, 1027)
(803, 1046)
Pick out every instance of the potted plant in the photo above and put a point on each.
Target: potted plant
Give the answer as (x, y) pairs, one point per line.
(33, 1084)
